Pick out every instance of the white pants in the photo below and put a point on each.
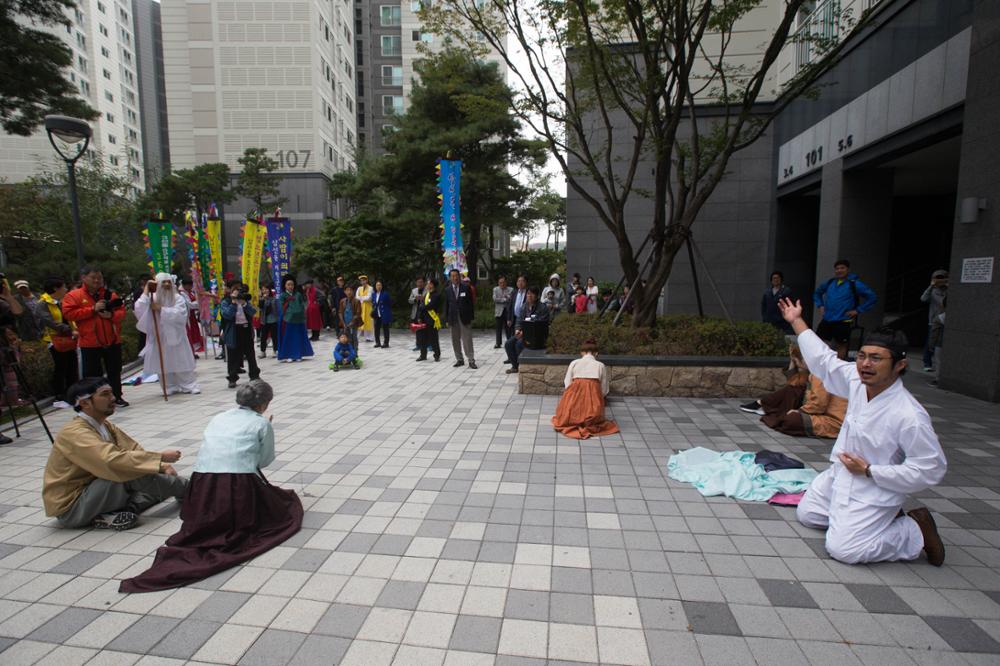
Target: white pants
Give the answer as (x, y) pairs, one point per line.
(857, 532)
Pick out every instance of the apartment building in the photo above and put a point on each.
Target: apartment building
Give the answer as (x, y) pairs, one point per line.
(152, 94)
(278, 75)
(100, 35)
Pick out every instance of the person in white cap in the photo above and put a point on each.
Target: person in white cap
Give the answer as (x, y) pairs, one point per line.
(554, 296)
(178, 373)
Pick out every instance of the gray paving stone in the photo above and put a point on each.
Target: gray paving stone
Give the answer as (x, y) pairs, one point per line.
(400, 594)
(306, 559)
(787, 593)
(527, 605)
(566, 579)
(708, 617)
(64, 625)
(963, 634)
(879, 599)
(342, 620)
(476, 634)
(184, 640)
(81, 562)
(220, 606)
(144, 634)
(273, 647)
(320, 650)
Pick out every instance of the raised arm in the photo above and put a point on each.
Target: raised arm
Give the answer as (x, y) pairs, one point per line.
(822, 361)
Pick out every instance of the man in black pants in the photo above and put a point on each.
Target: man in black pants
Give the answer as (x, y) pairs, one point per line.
(237, 315)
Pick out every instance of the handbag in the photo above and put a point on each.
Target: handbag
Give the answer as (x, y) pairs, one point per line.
(417, 326)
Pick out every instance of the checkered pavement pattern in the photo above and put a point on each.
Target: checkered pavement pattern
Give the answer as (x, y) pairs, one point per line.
(446, 523)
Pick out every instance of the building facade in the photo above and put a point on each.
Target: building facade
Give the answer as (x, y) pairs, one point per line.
(888, 165)
(276, 75)
(100, 37)
(152, 93)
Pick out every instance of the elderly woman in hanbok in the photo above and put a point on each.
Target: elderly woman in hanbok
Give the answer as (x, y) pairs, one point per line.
(580, 413)
(293, 342)
(230, 512)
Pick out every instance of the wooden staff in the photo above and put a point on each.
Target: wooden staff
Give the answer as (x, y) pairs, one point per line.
(159, 347)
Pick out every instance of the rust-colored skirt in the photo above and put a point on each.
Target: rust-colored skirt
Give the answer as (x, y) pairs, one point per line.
(228, 519)
(580, 413)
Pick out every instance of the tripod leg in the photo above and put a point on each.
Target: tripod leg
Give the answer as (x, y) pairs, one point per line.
(23, 381)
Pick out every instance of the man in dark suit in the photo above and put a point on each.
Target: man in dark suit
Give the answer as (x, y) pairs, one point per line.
(531, 330)
(460, 309)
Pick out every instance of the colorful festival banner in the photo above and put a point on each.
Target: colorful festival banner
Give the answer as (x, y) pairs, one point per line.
(159, 240)
(279, 247)
(213, 230)
(204, 258)
(251, 255)
(191, 235)
(449, 196)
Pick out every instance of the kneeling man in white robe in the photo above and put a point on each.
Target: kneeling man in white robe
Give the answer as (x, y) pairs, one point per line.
(886, 450)
(172, 318)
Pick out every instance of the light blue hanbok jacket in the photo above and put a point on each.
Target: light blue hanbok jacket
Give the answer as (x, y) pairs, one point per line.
(237, 441)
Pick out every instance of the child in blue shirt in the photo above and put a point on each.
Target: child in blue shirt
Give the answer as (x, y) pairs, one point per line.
(344, 354)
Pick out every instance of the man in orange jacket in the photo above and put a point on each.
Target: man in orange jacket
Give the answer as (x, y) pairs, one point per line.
(98, 313)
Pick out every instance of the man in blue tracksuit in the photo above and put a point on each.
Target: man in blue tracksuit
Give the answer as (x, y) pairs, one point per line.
(838, 302)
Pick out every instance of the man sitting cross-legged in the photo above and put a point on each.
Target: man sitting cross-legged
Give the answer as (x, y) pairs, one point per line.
(96, 474)
(886, 450)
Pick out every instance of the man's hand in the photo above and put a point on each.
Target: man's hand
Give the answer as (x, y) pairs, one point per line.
(854, 464)
(790, 311)
(170, 456)
(100, 306)
(851, 313)
(168, 469)
(155, 307)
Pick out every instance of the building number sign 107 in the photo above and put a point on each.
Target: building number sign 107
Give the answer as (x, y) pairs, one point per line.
(293, 159)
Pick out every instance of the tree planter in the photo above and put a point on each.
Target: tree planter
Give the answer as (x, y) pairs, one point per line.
(662, 376)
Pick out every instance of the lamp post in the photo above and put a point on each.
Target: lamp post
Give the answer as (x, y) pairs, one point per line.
(71, 132)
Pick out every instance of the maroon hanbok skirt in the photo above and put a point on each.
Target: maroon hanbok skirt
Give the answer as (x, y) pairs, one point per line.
(228, 519)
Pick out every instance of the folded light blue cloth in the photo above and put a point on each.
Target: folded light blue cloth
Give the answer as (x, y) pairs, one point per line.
(735, 474)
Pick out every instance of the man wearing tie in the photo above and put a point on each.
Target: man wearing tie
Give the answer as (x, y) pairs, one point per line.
(460, 304)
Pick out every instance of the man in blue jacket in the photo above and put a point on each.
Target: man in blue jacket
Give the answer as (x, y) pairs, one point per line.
(838, 302)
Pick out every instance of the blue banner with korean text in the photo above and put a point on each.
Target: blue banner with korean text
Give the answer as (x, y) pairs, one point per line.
(449, 196)
(279, 248)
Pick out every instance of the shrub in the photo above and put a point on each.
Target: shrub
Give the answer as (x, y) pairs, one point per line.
(130, 338)
(674, 335)
(36, 364)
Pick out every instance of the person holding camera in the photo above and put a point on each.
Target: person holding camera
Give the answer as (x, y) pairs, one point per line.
(98, 313)
(163, 317)
(237, 332)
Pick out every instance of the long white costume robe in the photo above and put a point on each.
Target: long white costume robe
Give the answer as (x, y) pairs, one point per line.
(893, 433)
(173, 320)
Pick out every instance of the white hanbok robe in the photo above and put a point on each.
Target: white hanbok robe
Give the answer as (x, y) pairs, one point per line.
(893, 433)
(177, 358)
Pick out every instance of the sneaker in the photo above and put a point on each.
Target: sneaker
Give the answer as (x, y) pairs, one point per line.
(116, 520)
(933, 545)
(752, 408)
(928, 368)
(61, 404)
(195, 391)
(121, 402)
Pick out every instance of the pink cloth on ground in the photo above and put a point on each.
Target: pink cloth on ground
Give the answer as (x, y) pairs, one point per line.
(786, 499)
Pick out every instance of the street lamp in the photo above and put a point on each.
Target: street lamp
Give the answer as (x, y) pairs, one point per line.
(71, 132)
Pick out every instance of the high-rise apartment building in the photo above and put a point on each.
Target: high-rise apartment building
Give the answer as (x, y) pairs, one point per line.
(100, 36)
(152, 94)
(277, 75)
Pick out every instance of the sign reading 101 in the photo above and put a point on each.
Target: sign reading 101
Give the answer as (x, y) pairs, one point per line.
(293, 159)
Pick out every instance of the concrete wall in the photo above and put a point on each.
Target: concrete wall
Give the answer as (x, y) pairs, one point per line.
(971, 362)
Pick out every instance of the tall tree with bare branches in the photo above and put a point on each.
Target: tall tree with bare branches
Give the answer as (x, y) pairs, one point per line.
(616, 85)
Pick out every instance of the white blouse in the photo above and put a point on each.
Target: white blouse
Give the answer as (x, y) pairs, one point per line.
(587, 367)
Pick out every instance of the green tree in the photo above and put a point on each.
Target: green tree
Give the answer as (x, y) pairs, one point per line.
(36, 225)
(535, 265)
(33, 83)
(258, 180)
(613, 87)
(188, 189)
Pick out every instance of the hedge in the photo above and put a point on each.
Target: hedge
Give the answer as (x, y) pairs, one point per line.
(674, 335)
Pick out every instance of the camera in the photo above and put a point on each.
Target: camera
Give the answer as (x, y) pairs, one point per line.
(115, 303)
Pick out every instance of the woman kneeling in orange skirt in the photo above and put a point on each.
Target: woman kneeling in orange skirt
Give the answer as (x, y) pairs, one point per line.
(580, 413)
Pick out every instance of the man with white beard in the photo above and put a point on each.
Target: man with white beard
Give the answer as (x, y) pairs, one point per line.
(172, 317)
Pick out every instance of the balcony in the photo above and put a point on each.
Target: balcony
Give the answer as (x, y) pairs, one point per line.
(824, 26)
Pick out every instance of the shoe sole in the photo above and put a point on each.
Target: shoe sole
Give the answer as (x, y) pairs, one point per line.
(749, 411)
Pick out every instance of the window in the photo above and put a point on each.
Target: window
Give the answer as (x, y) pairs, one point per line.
(392, 76)
(105, 52)
(426, 37)
(388, 129)
(104, 31)
(108, 96)
(415, 6)
(482, 273)
(113, 160)
(110, 116)
(81, 41)
(391, 45)
(106, 74)
(81, 63)
(415, 35)
(112, 139)
(101, 8)
(389, 15)
(392, 104)
(84, 87)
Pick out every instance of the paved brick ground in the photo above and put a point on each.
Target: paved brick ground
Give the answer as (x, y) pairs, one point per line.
(447, 524)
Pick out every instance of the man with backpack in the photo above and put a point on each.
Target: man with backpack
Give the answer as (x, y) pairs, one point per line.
(838, 302)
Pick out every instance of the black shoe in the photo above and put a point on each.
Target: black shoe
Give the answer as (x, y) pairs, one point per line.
(437, 358)
(423, 358)
(458, 364)
(933, 545)
(241, 371)
(4, 439)
(752, 408)
(232, 384)
(377, 344)
(497, 346)
(116, 520)
(506, 362)
(511, 371)
(473, 366)
(385, 346)
(121, 402)
(220, 357)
